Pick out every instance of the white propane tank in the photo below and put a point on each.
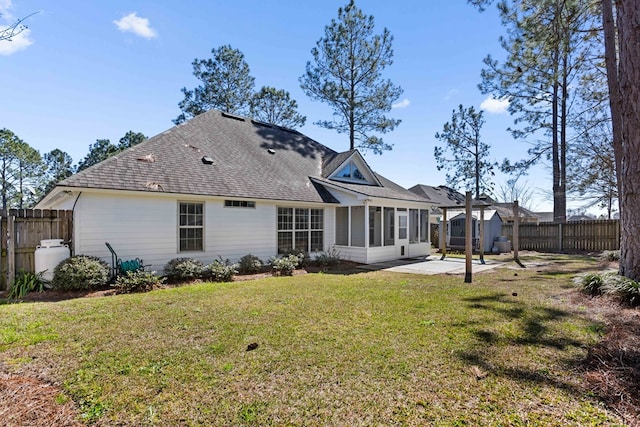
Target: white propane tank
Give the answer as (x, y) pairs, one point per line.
(48, 255)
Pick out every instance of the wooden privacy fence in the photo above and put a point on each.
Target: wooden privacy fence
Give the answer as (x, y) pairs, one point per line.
(574, 236)
(22, 230)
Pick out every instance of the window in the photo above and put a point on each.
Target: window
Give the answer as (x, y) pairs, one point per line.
(389, 230)
(402, 227)
(191, 227)
(300, 229)
(350, 173)
(414, 225)
(239, 204)
(424, 225)
(375, 226)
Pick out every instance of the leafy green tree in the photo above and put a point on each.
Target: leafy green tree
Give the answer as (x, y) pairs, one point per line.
(21, 169)
(274, 106)
(346, 73)
(226, 84)
(130, 139)
(29, 172)
(101, 150)
(58, 167)
(464, 155)
(549, 45)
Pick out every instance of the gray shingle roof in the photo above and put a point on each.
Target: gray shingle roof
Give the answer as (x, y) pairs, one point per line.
(388, 190)
(441, 195)
(250, 160)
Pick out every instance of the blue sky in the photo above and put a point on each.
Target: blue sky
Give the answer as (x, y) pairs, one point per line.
(96, 69)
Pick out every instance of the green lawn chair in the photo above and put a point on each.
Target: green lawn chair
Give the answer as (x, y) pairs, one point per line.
(120, 267)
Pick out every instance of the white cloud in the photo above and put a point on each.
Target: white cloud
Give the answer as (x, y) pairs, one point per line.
(402, 104)
(17, 42)
(134, 24)
(5, 5)
(495, 106)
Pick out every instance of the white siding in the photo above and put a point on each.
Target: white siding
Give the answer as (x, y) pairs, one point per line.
(136, 227)
(147, 227)
(235, 232)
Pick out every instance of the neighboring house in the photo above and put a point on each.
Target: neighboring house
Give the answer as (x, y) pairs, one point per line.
(580, 217)
(224, 185)
(456, 223)
(439, 196)
(544, 216)
(506, 211)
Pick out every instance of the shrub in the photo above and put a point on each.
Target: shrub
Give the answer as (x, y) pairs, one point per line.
(179, 269)
(249, 264)
(81, 272)
(303, 257)
(622, 288)
(285, 265)
(24, 283)
(136, 281)
(328, 258)
(589, 283)
(610, 256)
(220, 271)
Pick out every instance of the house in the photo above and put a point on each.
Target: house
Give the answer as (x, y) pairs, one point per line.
(224, 185)
(439, 196)
(456, 220)
(505, 209)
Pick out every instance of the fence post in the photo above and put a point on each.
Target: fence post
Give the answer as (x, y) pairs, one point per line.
(516, 231)
(11, 250)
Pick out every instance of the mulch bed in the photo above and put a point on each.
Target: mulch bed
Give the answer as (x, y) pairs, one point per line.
(612, 366)
(30, 402)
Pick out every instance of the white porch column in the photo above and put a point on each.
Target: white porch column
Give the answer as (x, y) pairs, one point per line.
(366, 224)
(349, 227)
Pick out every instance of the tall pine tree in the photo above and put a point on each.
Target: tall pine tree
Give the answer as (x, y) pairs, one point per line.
(346, 73)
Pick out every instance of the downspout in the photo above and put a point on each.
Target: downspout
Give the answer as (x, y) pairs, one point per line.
(73, 228)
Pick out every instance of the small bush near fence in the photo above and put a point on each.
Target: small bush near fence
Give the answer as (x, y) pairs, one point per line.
(622, 288)
(589, 283)
(81, 272)
(24, 283)
(610, 256)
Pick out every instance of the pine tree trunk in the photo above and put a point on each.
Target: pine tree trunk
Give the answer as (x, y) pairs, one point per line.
(611, 61)
(629, 78)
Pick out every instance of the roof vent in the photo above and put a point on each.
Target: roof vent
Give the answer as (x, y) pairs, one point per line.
(207, 160)
(271, 151)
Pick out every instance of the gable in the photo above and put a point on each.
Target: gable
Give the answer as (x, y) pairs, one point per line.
(354, 170)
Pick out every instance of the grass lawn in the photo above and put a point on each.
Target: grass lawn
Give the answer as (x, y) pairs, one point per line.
(366, 349)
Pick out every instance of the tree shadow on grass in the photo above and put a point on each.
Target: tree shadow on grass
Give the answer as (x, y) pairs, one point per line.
(537, 327)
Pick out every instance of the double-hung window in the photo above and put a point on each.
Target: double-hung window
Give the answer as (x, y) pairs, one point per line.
(300, 229)
(190, 226)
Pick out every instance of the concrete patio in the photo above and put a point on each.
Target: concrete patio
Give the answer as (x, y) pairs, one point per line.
(431, 265)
